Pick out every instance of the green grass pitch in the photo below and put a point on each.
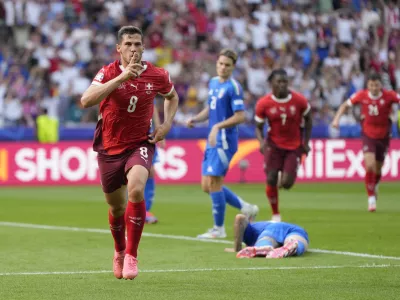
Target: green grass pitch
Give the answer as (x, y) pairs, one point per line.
(172, 267)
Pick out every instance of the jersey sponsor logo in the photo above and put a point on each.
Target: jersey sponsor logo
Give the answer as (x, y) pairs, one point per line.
(99, 76)
(292, 109)
(238, 102)
(135, 86)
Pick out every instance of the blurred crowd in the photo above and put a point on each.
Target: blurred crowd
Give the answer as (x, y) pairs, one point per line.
(52, 49)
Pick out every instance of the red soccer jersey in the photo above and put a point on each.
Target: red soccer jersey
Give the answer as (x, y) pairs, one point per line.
(126, 114)
(284, 117)
(375, 112)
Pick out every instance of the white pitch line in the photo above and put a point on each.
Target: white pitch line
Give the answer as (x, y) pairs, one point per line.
(182, 237)
(205, 270)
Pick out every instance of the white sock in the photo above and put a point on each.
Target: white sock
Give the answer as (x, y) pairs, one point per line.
(371, 200)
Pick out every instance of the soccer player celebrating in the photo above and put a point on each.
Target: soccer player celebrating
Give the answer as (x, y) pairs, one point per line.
(125, 90)
(285, 111)
(225, 110)
(268, 239)
(376, 107)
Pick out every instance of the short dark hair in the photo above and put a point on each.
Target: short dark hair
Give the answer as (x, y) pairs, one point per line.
(128, 30)
(229, 53)
(275, 73)
(374, 76)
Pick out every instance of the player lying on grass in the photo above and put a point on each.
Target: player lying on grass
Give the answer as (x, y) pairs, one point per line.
(268, 239)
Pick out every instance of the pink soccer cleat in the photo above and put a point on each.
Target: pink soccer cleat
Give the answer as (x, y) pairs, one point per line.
(151, 218)
(130, 270)
(287, 250)
(118, 263)
(250, 252)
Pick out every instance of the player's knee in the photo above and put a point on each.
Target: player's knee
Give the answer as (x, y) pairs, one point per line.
(272, 178)
(117, 210)
(215, 184)
(136, 193)
(287, 184)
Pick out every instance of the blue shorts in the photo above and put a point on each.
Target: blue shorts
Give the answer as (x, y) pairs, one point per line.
(156, 159)
(216, 162)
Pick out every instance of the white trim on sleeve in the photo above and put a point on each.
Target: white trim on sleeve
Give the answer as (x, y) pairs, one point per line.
(96, 83)
(169, 93)
(307, 109)
(349, 103)
(258, 119)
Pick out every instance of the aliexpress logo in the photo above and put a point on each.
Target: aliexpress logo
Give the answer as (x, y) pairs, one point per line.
(3, 165)
(244, 149)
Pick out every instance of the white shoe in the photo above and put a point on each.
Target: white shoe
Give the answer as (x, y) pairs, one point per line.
(372, 204)
(276, 218)
(250, 211)
(213, 233)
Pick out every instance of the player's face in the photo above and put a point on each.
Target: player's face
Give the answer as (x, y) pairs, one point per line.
(280, 86)
(225, 67)
(131, 45)
(374, 87)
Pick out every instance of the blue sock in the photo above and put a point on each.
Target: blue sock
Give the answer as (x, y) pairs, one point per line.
(263, 243)
(232, 199)
(149, 192)
(300, 248)
(218, 207)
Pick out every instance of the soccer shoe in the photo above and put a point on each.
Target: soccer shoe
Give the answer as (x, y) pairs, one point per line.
(250, 252)
(276, 218)
(287, 250)
(150, 218)
(118, 263)
(130, 270)
(213, 233)
(372, 204)
(250, 211)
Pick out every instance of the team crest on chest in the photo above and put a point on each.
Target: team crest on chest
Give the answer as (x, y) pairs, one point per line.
(122, 86)
(149, 88)
(292, 109)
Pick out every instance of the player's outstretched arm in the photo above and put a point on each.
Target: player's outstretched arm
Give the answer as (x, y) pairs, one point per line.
(308, 127)
(170, 107)
(240, 225)
(237, 118)
(260, 134)
(341, 111)
(200, 117)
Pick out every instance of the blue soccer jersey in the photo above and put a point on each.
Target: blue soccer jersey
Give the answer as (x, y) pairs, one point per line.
(279, 231)
(224, 99)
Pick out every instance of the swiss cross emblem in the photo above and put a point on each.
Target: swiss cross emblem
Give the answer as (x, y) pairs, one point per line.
(292, 109)
(273, 110)
(382, 101)
(149, 86)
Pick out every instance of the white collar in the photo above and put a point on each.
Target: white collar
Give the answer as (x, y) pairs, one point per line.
(374, 97)
(282, 100)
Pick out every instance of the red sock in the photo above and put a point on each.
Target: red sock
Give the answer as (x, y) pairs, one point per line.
(117, 227)
(370, 183)
(272, 195)
(135, 216)
(377, 178)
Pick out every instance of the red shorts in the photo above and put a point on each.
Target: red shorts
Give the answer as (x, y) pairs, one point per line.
(377, 146)
(113, 168)
(278, 159)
